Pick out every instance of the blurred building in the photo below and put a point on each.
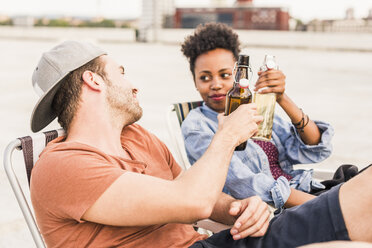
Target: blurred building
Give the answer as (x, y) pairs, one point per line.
(349, 14)
(155, 15)
(242, 15)
(369, 14)
(348, 24)
(23, 21)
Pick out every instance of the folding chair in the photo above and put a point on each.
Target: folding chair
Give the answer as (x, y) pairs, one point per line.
(31, 146)
(176, 114)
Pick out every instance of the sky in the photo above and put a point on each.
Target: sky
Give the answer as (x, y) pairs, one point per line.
(305, 10)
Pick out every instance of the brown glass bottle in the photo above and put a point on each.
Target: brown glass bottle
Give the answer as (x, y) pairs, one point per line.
(239, 93)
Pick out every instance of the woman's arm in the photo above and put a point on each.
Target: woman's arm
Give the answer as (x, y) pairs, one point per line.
(273, 81)
(297, 198)
(310, 133)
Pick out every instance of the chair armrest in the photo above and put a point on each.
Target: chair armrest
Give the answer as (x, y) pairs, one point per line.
(215, 227)
(211, 225)
(319, 173)
(323, 174)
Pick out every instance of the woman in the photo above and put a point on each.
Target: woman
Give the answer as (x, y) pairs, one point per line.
(263, 168)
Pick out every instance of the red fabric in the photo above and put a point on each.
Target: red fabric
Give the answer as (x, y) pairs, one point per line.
(273, 156)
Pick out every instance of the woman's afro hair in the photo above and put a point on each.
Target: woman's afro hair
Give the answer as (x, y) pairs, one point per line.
(209, 37)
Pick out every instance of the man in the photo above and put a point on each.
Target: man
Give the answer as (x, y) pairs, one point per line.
(110, 183)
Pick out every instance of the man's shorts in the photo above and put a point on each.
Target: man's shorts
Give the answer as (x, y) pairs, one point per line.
(318, 220)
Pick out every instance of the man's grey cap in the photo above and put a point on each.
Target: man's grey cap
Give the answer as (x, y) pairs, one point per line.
(53, 66)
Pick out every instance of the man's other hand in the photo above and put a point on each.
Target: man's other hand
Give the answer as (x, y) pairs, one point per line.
(252, 217)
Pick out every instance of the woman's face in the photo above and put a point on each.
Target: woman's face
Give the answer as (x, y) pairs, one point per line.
(213, 77)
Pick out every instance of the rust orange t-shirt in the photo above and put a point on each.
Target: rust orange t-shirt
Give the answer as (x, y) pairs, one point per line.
(69, 177)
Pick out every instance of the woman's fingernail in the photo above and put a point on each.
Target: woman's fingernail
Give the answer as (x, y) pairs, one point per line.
(234, 231)
(238, 225)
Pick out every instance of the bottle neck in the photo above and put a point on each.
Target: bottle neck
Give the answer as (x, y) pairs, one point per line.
(242, 77)
(241, 72)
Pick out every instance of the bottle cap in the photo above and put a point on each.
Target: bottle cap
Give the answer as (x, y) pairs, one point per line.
(244, 83)
(243, 59)
(270, 64)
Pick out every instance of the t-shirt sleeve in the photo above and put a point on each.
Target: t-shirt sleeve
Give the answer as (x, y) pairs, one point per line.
(173, 165)
(74, 181)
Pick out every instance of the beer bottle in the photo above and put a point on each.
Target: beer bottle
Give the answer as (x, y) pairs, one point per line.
(269, 63)
(266, 103)
(239, 93)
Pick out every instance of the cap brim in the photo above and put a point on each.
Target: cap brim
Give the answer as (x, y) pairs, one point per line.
(43, 113)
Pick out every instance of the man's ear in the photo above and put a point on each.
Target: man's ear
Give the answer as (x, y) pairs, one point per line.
(92, 80)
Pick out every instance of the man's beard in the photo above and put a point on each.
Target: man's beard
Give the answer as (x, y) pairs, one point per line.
(122, 102)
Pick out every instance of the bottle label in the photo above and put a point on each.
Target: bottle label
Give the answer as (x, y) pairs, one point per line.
(266, 108)
(233, 104)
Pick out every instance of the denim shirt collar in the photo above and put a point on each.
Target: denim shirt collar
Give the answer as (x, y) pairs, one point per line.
(208, 112)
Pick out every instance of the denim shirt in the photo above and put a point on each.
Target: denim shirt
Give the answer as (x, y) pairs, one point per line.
(249, 171)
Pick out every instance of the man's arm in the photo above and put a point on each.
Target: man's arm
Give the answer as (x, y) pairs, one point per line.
(136, 199)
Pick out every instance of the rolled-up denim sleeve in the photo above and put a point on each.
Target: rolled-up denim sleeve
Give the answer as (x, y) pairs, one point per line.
(242, 182)
(295, 150)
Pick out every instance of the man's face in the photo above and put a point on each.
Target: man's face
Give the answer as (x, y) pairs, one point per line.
(120, 94)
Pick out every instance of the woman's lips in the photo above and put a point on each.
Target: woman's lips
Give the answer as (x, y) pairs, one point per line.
(218, 97)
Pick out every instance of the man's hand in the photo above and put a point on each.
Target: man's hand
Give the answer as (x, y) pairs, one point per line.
(252, 217)
(241, 124)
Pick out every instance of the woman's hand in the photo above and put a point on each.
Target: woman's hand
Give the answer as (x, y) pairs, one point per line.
(271, 81)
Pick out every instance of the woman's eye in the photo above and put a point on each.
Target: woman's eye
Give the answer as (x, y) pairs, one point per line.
(225, 75)
(205, 78)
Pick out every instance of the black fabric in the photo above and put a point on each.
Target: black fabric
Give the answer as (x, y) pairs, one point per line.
(50, 135)
(342, 174)
(28, 155)
(318, 220)
(28, 150)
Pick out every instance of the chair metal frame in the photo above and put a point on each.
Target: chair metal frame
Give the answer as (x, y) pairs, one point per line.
(18, 144)
(180, 110)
